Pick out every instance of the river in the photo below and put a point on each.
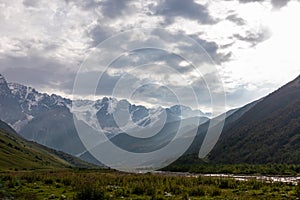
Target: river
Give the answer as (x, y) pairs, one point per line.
(268, 178)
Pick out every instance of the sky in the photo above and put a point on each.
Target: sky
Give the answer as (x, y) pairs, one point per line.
(252, 45)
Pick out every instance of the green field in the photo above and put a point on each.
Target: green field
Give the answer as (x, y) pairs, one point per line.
(16, 153)
(92, 184)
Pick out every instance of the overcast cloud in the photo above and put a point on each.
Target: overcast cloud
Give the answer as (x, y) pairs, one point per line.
(250, 42)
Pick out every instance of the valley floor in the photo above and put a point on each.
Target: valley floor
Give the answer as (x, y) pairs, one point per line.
(104, 184)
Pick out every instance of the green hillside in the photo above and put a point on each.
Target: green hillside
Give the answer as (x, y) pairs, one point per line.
(18, 154)
(267, 133)
(262, 137)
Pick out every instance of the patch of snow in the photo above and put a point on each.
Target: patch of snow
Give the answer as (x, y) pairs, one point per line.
(38, 97)
(112, 105)
(86, 112)
(14, 88)
(21, 123)
(28, 91)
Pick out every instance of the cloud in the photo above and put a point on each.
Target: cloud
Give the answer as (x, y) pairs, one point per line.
(212, 49)
(254, 38)
(30, 3)
(107, 8)
(248, 1)
(279, 3)
(275, 3)
(38, 72)
(116, 8)
(237, 20)
(99, 33)
(188, 9)
(43, 43)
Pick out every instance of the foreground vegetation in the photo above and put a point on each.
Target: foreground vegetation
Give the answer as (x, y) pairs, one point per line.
(113, 185)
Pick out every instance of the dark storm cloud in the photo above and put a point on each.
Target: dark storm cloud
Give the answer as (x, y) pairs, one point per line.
(187, 9)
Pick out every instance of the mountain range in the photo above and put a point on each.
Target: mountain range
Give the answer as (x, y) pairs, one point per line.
(50, 119)
(264, 131)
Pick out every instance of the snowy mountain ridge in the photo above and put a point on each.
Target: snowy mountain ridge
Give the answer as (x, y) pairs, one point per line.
(96, 114)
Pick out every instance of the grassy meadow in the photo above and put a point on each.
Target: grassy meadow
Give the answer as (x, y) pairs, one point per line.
(107, 184)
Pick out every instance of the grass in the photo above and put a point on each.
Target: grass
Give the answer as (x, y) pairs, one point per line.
(92, 184)
(19, 154)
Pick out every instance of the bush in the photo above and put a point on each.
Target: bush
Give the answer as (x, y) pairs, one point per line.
(48, 181)
(28, 179)
(90, 192)
(67, 181)
(138, 190)
(214, 191)
(298, 189)
(197, 191)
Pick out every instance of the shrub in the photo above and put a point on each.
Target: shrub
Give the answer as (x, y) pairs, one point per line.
(197, 191)
(138, 190)
(28, 178)
(298, 189)
(48, 181)
(67, 181)
(90, 192)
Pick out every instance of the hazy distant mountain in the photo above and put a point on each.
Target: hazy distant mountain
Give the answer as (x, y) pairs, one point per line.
(268, 133)
(186, 112)
(113, 116)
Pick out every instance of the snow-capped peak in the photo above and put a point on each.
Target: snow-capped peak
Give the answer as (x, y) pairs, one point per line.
(112, 105)
(186, 112)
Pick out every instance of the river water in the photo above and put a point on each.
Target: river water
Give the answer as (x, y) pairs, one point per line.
(270, 179)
